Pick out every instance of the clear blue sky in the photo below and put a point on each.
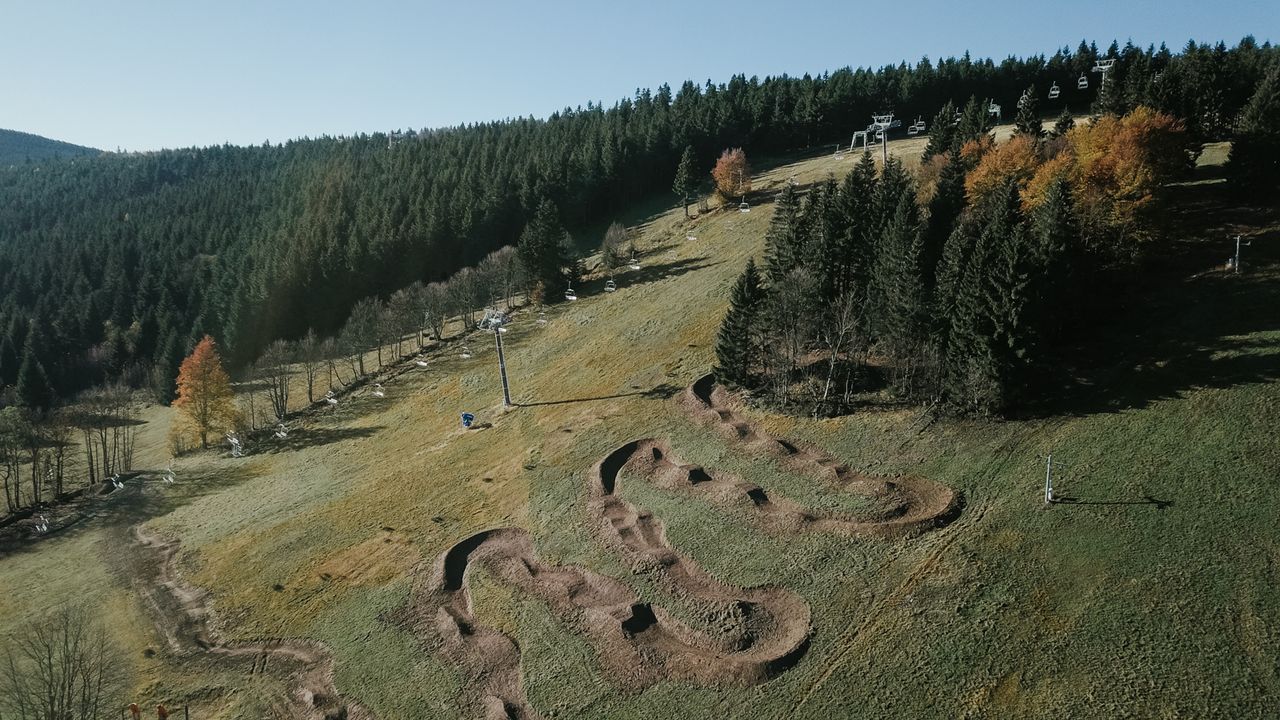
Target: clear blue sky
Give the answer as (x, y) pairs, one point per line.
(176, 73)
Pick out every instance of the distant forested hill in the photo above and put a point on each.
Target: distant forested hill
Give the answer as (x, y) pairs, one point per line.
(19, 147)
(123, 262)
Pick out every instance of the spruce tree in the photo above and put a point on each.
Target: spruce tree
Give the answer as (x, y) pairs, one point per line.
(784, 241)
(898, 274)
(736, 349)
(851, 208)
(945, 206)
(941, 132)
(1027, 121)
(542, 250)
(1253, 166)
(33, 387)
(1063, 124)
(685, 183)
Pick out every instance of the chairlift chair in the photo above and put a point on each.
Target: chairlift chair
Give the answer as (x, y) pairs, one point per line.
(1054, 91)
(465, 354)
(744, 206)
(570, 295)
(634, 264)
(117, 482)
(1082, 83)
(379, 392)
(993, 109)
(1022, 101)
(542, 318)
(913, 130)
(420, 363)
(282, 432)
(42, 525)
(330, 399)
(610, 285)
(690, 236)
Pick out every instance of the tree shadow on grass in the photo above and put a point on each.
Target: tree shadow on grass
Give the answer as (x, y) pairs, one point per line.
(309, 437)
(1186, 324)
(660, 392)
(144, 496)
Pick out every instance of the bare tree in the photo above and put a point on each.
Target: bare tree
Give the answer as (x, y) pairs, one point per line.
(331, 351)
(402, 317)
(839, 335)
(611, 249)
(58, 669)
(361, 331)
(433, 305)
(12, 430)
(307, 353)
(274, 371)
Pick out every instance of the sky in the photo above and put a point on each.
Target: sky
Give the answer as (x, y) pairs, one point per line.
(147, 75)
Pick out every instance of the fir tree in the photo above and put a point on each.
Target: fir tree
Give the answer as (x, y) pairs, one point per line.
(736, 348)
(902, 288)
(33, 387)
(685, 183)
(1063, 124)
(542, 249)
(1254, 164)
(784, 241)
(942, 132)
(1027, 121)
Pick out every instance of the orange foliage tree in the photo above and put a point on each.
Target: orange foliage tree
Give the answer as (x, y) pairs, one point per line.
(732, 175)
(205, 399)
(1017, 159)
(1119, 164)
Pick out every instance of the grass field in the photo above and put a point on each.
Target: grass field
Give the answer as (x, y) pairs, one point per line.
(1150, 593)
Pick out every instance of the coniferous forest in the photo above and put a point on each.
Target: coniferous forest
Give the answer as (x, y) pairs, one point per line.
(112, 268)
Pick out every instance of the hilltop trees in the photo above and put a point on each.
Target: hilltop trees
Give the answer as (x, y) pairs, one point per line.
(205, 400)
(956, 285)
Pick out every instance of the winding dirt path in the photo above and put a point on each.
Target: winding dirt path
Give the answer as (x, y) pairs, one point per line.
(182, 613)
(762, 631)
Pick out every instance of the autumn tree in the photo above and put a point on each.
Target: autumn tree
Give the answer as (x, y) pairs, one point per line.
(732, 174)
(204, 392)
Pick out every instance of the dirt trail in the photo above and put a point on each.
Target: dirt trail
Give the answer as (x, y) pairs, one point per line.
(182, 613)
(916, 504)
(763, 630)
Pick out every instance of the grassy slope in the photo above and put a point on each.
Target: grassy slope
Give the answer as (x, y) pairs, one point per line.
(1110, 606)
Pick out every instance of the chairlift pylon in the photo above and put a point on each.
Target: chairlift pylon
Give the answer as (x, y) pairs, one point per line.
(1054, 91)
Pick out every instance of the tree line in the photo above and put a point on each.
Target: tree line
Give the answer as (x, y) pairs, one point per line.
(112, 268)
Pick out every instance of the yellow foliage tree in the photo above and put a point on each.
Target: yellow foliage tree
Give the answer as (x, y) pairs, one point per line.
(1120, 163)
(205, 400)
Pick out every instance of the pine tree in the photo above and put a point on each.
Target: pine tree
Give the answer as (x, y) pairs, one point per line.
(1063, 124)
(784, 241)
(1027, 121)
(898, 274)
(945, 206)
(33, 387)
(205, 399)
(1254, 164)
(942, 132)
(1055, 233)
(736, 347)
(856, 248)
(542, 250)
(685, 183)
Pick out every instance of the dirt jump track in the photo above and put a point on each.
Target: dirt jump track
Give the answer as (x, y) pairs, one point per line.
(763, 630)
(182, 614)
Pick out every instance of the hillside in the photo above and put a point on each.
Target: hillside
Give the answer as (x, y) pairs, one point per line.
(17, 148)
(1147, 592)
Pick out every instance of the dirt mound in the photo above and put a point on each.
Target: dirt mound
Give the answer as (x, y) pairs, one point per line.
(915, 504)
(182, 613)
(759, 632)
